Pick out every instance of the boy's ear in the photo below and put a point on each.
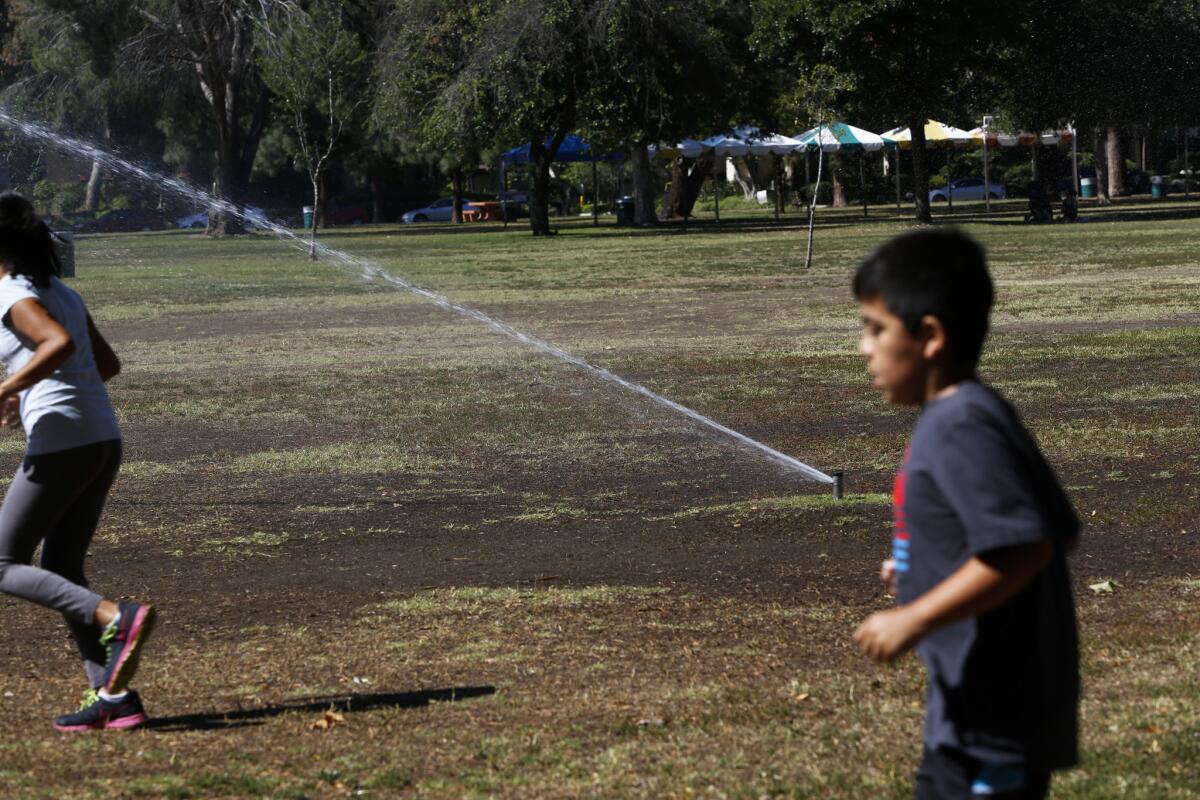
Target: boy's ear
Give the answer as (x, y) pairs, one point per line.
(933, 338)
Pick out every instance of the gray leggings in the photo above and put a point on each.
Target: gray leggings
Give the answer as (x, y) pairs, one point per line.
(55, 499)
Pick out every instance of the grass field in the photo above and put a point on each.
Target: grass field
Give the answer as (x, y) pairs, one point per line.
(400, 555)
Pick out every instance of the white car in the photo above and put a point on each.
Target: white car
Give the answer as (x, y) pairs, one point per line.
(966, 189)
(437, 211)
(255, 218)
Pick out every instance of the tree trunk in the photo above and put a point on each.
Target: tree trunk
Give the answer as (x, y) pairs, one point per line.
(1035, 167)
(91, 201)
(643, 187)
(687, 179)
(920, 171)
(1116, 166)
(1099, 159)
(835, 177)
(781, 186)
(456, 191)
(376, 198)
(312, 236)
(539, 200)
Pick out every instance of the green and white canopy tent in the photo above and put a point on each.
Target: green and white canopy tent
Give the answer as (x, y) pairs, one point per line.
(837, 136)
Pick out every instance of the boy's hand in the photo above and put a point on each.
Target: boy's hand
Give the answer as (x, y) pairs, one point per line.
(887, 635)
(887, 574)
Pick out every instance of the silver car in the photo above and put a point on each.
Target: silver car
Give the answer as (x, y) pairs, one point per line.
(437, 211)
(966, 189)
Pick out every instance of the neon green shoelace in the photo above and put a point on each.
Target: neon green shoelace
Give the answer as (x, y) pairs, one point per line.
(90, 697)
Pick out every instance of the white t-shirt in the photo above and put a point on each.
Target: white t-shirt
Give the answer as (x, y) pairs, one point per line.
(70, 407)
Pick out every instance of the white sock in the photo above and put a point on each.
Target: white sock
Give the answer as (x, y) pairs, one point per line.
(112, 697)
(115, 620)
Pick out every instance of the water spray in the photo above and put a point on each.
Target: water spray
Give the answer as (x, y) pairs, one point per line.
(372, 271)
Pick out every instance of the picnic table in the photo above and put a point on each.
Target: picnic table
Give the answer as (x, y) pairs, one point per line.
(481, 210)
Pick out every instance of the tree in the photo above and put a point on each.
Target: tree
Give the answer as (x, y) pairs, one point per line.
(908, 60)
(493, 72)
(426, 90)
(214, 39)
(74, 48)
(318, 72)
(664, 70)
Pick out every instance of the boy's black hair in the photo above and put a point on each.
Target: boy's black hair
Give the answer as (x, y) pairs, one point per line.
(25, 243)
(939, 272)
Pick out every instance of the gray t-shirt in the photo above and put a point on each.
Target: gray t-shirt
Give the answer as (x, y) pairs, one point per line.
(1003, 687)
(70, 408)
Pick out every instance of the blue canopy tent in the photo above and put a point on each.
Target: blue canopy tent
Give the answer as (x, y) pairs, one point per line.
(572, 149)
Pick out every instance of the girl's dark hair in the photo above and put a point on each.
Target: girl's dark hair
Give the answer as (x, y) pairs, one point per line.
(942, 273)
(25, 243)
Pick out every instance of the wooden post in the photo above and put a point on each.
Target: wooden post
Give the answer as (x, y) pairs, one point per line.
(862, 179)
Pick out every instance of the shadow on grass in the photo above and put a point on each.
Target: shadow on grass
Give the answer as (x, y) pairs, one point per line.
(238, 718)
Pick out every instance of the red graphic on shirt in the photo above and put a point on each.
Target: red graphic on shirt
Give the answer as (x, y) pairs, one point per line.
(900, 544)
(898, 500)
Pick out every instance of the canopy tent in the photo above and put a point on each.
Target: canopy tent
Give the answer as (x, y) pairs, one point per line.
(770, 144)
(989, 138)
(722, 147)
(573, 148)
(766, 144)
(998, 139)
(937, 134)
(688, 148)
(838, 136)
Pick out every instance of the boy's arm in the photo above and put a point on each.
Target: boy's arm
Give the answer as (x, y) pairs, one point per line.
(984, 582)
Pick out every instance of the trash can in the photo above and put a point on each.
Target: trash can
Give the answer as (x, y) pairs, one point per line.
(64, 248)
(624, 207)
(1087, 187)
(308, 217)
(1158, 187)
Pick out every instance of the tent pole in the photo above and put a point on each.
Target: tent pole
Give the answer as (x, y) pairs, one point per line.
(503, 191)
(987, 181)
(1074, 160)
(950, 179)
(862, 179)
(778, 184)
(716, 189)
(1187, 169)
(896, 149)
(595, 195)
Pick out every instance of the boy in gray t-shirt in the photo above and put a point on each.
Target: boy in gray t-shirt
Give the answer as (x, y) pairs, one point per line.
(982, 529)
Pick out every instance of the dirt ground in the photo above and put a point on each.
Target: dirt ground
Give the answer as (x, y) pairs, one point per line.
(390, 520)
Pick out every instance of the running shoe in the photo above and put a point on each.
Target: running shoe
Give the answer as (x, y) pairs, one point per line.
(124, 639)
(96, 713)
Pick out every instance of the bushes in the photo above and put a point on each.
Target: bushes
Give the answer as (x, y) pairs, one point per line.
(58, 199)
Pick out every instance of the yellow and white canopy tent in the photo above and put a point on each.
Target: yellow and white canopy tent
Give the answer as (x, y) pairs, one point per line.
(937, 134)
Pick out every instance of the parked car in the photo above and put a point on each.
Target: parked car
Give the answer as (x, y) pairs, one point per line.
(125, 219)
(255, 218)
(967, 189)
(437, 211)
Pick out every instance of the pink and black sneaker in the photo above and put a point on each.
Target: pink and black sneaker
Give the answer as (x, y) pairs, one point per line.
(124, 639)
(96, 713)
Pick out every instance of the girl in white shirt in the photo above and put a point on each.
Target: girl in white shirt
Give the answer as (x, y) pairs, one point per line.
(57, 365)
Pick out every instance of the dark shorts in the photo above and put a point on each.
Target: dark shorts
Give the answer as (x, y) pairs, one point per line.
(949, 774)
